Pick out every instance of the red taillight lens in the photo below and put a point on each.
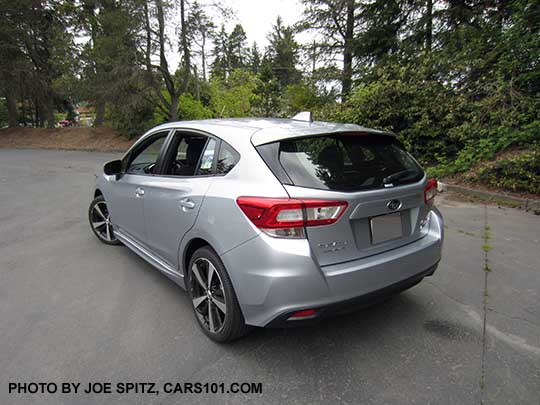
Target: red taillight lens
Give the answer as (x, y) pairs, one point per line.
(272, 212)
(282, 213)
(430, 191)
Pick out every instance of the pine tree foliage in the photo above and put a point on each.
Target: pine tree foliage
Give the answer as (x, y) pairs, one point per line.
(457, 80)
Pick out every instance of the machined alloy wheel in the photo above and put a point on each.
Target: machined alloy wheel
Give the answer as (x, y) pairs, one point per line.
(100, 221)
(208, 295)
(214, 300)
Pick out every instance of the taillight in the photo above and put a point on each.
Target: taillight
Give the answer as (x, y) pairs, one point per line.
(430, 191)
(286, 218)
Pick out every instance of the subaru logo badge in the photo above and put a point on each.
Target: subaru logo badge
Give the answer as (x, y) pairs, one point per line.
(394, 205)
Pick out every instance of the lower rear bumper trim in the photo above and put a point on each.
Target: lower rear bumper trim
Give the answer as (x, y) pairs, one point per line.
(350, 305)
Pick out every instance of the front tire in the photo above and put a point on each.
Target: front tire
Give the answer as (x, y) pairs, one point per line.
(100, 221)
(213, 298)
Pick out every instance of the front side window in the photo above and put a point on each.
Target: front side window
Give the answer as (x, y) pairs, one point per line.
(144, 160)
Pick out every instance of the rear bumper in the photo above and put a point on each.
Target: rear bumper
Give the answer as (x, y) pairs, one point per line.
(353, 304)
(275, 277)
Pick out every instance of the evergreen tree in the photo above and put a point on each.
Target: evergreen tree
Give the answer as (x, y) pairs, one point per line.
(236, 48)
(43, 48)
(111, 55)
(220, 65)
(382, 21)
(268, 90)
(201, 30)
(254, 58)
(282, 54)
(337, 22)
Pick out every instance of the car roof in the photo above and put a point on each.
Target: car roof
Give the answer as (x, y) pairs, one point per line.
(265, 130)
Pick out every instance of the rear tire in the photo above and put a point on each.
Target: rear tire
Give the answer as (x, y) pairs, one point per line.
(214, 301)
(100, 221)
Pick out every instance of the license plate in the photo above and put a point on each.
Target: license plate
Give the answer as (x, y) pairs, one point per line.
(386, 227)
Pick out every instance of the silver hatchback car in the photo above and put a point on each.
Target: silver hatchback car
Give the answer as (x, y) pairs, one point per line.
(272, 222)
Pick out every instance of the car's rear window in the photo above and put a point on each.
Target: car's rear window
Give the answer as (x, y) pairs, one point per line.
(346, 162)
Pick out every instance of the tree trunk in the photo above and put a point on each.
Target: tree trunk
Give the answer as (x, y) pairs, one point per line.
(173, 111)
(164, 67)
(197, 89)
(37, 115)
(429, 25)
(148, 50)
(346, 81)
(100, 114)
(23, 97)
(50, 112)
(203, 56)
(314, 59)
(41, 114)
(23, 111)
(185, 46)
(13, 116)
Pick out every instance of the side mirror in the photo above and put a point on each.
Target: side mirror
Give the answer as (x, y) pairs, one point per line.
(112, 168)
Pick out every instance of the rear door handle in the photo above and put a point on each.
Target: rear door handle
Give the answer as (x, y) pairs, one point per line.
(186, 203)
(139, 192)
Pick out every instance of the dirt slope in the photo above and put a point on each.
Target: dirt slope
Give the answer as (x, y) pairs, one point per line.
(98, 139)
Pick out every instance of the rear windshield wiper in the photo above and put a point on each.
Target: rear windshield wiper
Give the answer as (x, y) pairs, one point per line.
(398, 175)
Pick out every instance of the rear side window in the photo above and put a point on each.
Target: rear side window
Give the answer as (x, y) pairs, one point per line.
(347, 162)
(228, 158)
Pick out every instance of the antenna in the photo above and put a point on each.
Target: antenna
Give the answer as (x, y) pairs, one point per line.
(306, 116)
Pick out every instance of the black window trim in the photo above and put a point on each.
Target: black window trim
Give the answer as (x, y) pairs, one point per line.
(141, 144)
(166, 154)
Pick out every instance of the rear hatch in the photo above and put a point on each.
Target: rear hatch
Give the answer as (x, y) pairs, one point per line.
(381, 183)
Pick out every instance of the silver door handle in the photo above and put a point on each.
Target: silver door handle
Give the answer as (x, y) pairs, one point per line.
(139, 192)
(187, 203)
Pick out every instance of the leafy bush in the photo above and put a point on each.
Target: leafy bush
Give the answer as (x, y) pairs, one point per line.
(422, 112)
(301, 97)
(192, 109)
(446, 130)
(233, 97)
(519, 173)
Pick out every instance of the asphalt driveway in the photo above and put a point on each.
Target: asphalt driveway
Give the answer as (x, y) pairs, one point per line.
(75, 310)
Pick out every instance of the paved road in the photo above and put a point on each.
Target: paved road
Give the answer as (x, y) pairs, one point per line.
(74, 310)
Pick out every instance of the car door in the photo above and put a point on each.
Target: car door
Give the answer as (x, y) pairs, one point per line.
(173, 200)
(127, 192)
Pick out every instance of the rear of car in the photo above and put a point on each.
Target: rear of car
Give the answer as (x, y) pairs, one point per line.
(358, 225)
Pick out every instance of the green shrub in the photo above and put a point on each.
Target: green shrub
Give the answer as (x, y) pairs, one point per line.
(518, 173)
(192, 109)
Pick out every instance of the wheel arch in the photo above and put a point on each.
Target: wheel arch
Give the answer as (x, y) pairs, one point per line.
(97, 193)
(190, 248)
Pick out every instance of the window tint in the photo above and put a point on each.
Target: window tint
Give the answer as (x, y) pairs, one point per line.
(228, 158)
(181, 152)
(144, 160)
(346, 162)
(191, 155)
(206, 165)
